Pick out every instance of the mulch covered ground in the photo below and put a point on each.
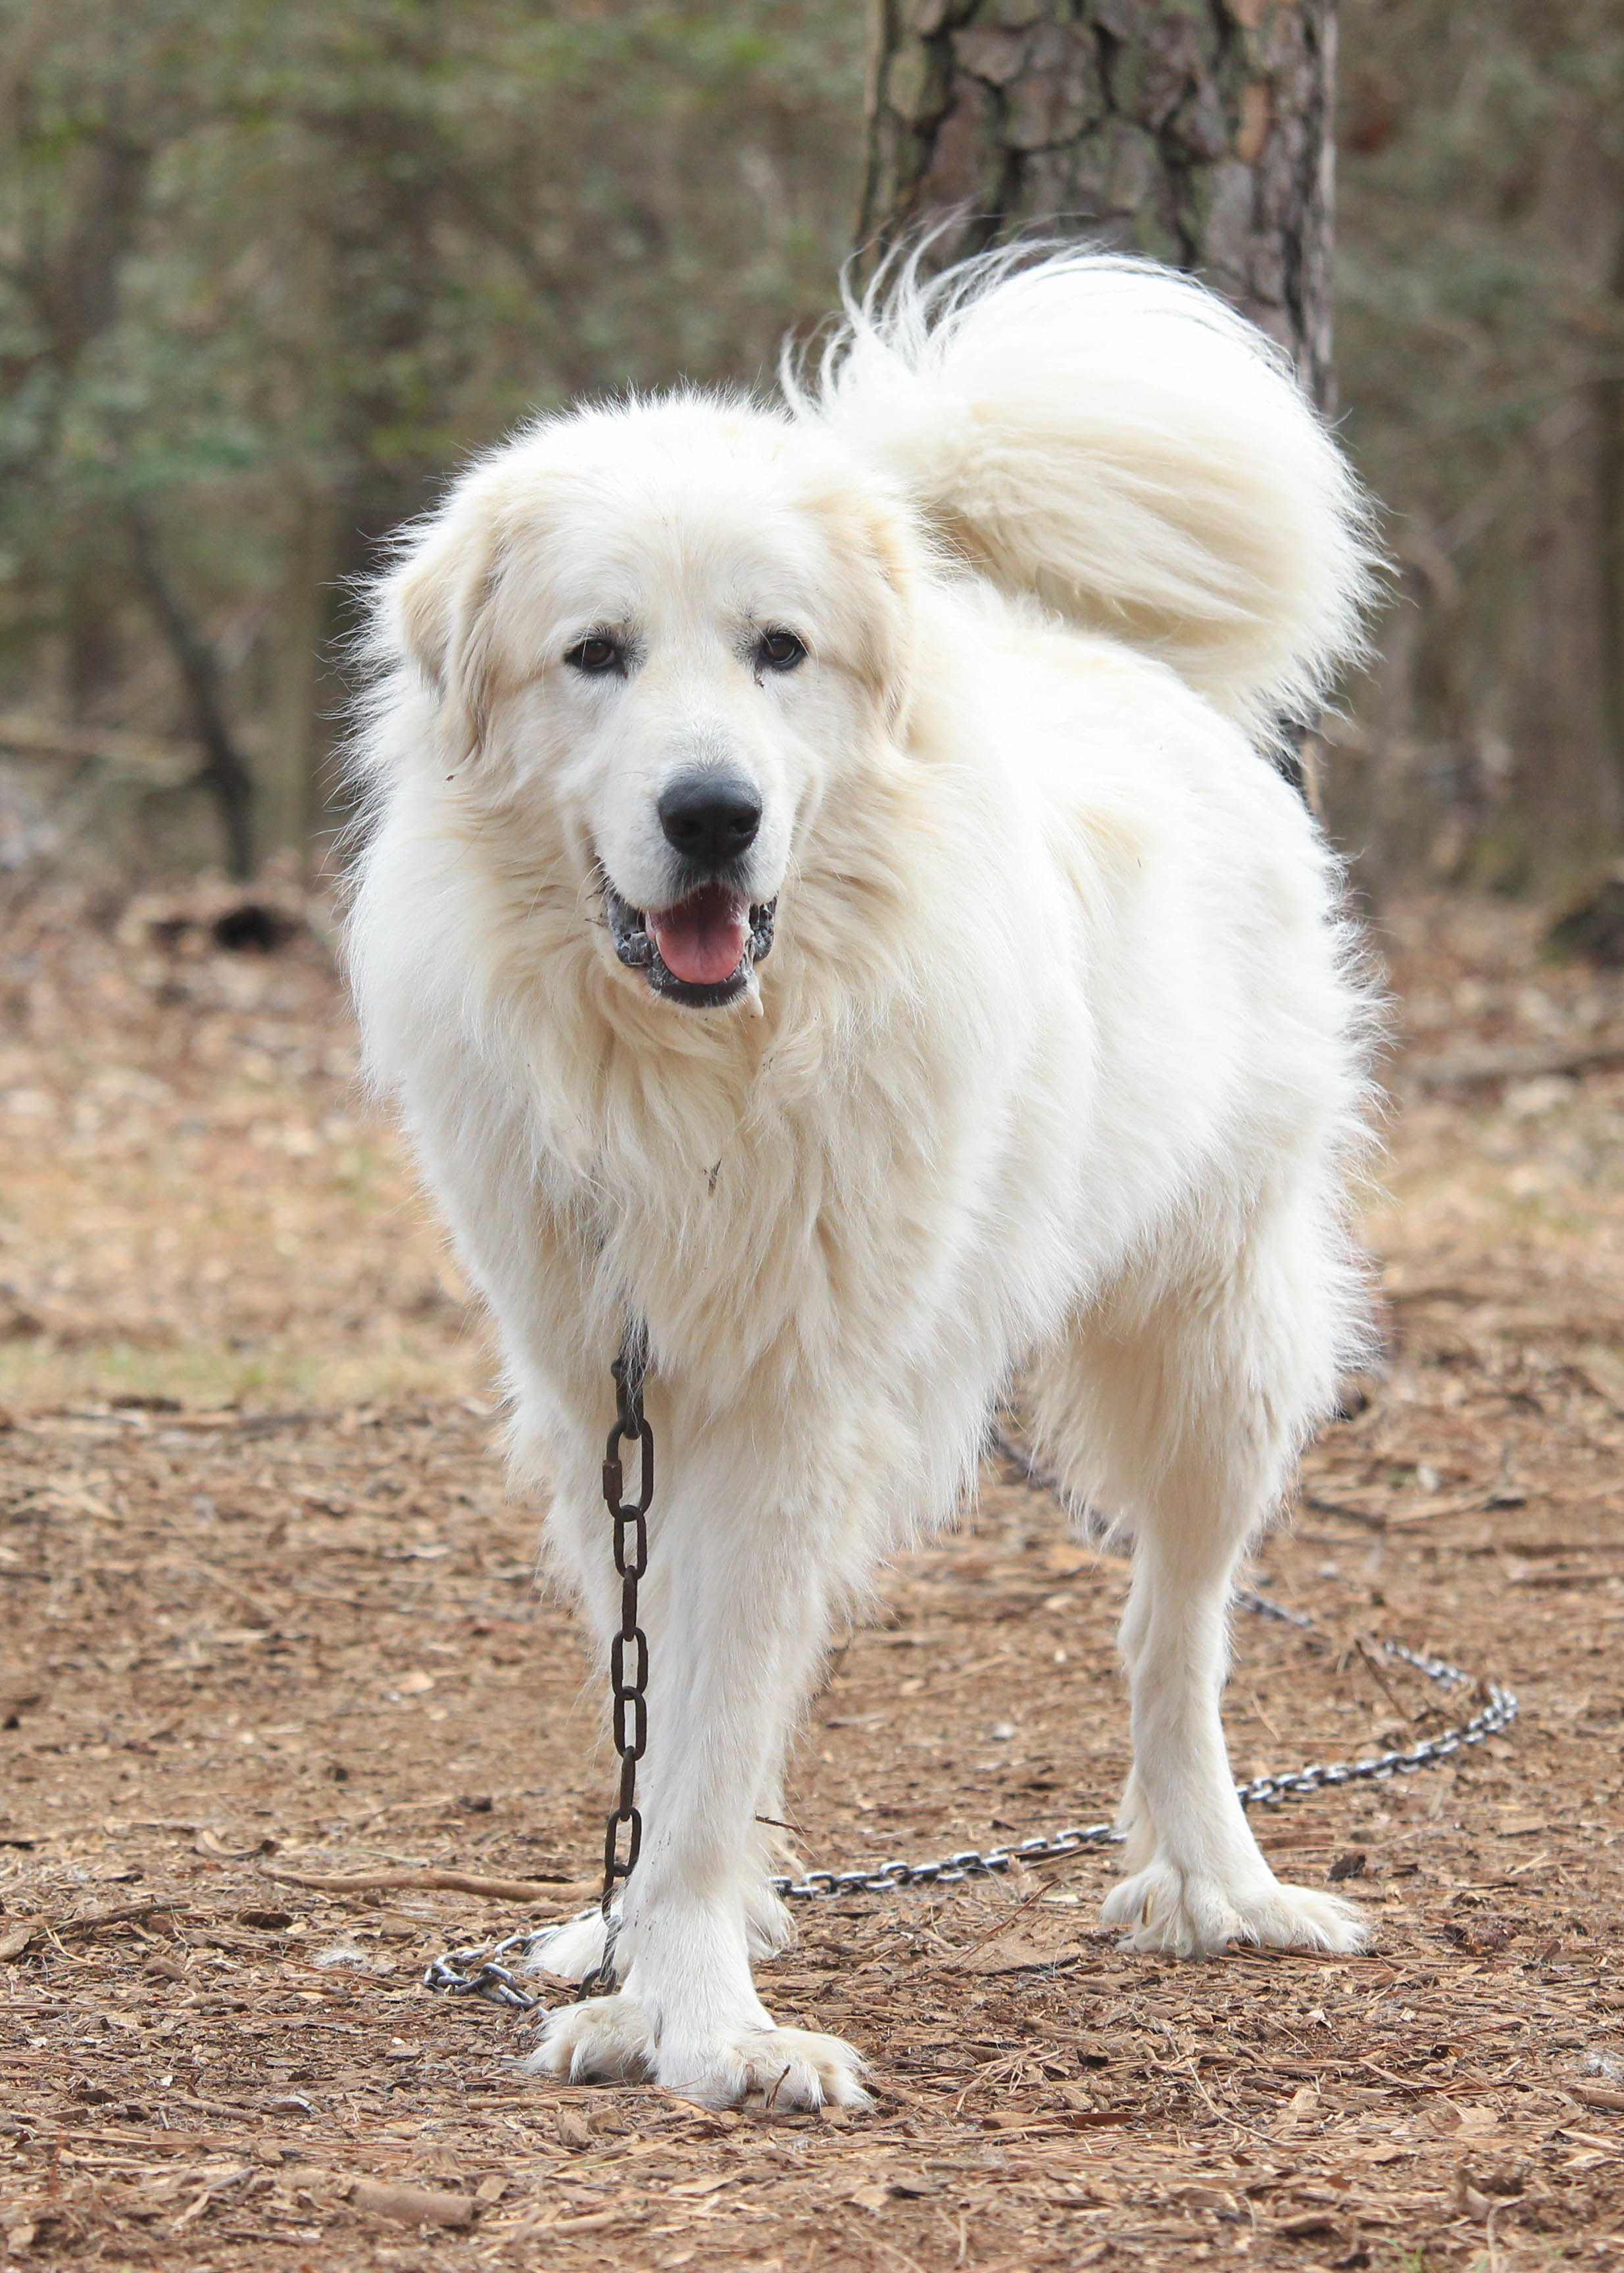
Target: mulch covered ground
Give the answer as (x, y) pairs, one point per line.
(269, 1610)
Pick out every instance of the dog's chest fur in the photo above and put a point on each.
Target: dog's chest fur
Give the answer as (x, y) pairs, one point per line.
(806, 1191)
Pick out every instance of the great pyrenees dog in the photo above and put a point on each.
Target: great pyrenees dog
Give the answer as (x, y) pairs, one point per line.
(828, 897)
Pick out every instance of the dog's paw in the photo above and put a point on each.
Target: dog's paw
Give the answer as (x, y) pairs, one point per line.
(571, 1951)
(606, 2040)
(786, 2070)
(1189, 1914)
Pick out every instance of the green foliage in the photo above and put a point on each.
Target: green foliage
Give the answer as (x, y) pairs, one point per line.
(1482, 155)
(255, 254)
(269, 269)
(1480, 342)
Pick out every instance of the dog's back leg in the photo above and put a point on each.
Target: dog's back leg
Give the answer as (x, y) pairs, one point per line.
(1179, 1406)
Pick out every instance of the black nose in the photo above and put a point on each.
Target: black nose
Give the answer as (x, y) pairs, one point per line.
(710, 817)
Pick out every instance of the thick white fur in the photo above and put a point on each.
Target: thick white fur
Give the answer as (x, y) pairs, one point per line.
(1055, 1066)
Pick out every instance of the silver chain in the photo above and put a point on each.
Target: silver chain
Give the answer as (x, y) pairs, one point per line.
(482, 1970)
(1498, 1710)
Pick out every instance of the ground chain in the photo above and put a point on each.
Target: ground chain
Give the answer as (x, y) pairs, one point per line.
(482, 1969)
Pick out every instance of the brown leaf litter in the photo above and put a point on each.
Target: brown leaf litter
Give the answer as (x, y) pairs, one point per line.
(283, 1714)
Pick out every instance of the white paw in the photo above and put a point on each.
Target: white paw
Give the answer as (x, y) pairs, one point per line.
(571, 1951)
(1190, 1914)
(786, 2069)
(606, 2040)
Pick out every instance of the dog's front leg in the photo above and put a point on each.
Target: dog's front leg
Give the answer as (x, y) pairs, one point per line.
(735, 1614)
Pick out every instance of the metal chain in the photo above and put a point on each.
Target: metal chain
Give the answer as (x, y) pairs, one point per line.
(1496, 1711)
(627, 1687)
(479, 1970)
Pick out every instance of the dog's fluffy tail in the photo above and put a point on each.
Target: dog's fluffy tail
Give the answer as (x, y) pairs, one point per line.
(1111, 436)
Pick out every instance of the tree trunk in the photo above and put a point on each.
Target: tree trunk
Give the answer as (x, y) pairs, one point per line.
(1200, 133)
(1607, 410)
(1568, 707)
(289, 791)
(225, 770)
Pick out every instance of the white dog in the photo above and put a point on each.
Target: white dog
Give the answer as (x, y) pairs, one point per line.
(829, 898)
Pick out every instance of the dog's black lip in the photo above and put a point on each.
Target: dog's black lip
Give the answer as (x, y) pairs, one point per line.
(634, 945)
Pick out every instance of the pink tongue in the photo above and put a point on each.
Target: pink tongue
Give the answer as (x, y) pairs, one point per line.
(703, 938)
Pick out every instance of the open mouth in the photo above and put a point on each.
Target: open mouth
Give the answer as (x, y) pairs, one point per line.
(701, 951)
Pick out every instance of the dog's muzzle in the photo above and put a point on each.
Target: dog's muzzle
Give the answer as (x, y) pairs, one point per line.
(635, 938)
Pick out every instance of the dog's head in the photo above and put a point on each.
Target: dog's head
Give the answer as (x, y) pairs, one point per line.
(662, 637)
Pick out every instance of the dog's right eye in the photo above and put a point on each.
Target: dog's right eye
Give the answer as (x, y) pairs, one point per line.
(593, 655)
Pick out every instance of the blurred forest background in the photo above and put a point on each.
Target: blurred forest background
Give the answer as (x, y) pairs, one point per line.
(270, 269)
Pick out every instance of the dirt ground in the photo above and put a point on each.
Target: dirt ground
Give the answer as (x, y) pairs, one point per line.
(269, 1609)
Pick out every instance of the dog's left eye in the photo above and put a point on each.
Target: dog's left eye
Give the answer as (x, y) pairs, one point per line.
(779, 651)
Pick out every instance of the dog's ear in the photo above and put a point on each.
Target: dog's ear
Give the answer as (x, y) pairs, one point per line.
(894, 549)
(439, 612)
(880, 635)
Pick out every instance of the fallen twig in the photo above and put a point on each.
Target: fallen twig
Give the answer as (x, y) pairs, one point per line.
(442, 1882)
(1371, 1518)
(1468, 1069)
(1402, 1518)
(1378, 1673)
(1476, 1504)
(17, 1938)
(407, 2204)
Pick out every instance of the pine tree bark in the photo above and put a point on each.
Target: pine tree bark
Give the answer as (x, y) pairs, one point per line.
(1200, 133)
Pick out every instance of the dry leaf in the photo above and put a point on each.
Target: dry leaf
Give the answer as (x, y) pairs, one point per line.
(17, 1938)
(208, 1841)
(1604, 1369)
(1303, 2103)
(1036, 1938)
(1599, 2095)
(412, 2205)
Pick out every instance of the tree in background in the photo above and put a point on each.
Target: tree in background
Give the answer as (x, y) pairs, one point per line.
(1481, 297)
(267, 273)
(1199, 134)
(1481, 272)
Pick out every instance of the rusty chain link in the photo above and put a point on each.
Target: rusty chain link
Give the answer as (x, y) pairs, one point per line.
(629, 1726)
(480, 1971)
